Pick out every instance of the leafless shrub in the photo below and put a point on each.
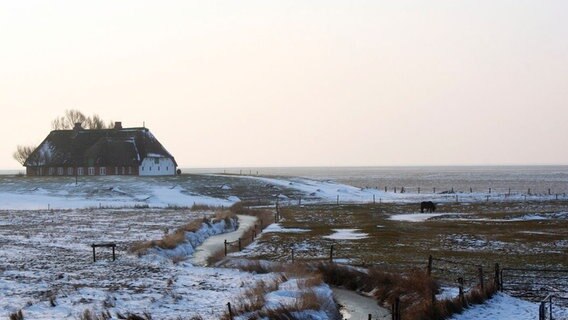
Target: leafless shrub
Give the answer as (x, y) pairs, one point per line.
(17, 315)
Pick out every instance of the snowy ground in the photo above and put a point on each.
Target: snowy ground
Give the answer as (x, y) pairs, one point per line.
(505, 307)
(46, 255)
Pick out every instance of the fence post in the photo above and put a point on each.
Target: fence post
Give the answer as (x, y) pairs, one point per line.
(481, 284)
(331, 254)
(374, 198)
(429, 265)
(529, 193)
(230, 311)
(548, 191)
(496, 277)
(94, 257)
(462, 297)
(385, 188)
(394, 189)
(300, 201)
(418, 189)
(550, 305)
(470, 190)
(225, 247)
(292, 255)
(501, 280)
(240, 244)
(434, 189)
(457, 200)
(541, 312)
(489, 190)
(337, 199)
(370, 316)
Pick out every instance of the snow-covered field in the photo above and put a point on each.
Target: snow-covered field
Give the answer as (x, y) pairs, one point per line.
(46, 265)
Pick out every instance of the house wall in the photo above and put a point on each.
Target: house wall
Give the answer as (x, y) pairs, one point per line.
(157, 166)
(82, 171)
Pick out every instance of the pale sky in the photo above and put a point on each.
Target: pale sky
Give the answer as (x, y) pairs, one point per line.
(296, 83)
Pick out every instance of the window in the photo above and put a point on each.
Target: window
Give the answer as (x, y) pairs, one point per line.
(60, 171)
(91, 171)
(156, 160)
(51, 171)
(69, 171)
(80, 171)
(102, 171)
(142, 168)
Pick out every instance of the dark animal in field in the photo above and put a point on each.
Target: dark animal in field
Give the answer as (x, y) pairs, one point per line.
(429, 206)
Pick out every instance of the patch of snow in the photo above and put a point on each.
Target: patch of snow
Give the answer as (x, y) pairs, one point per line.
(347, 234)
(505, 307)
(415, 217)
(276, 227)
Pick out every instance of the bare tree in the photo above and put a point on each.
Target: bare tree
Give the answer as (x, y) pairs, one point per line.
(58, 124)
(22, 153)
(95, 122)
(74, 116)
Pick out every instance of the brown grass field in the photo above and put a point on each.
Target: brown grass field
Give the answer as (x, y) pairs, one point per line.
(480, 233)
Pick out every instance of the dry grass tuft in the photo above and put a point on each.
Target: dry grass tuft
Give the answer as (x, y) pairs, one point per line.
(172, 240)
(90, 315)
(17, 315)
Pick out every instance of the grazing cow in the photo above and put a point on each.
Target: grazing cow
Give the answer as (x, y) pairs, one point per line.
(428, 205)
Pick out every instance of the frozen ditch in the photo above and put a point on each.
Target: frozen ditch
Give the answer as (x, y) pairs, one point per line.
(356, 306)
(216, 243)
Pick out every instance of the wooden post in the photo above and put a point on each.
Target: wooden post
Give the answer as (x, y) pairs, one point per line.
(94, 257)
(481, 284)
(489, 190)
(418, 189)
(470, 190)
(230, 311)
(394, 189)
(509, 191)
(240, 244)
(496, 277)
(113, 256)
(385, 188)
(370, 316)
(452, 191)
(548, 191)
(374, 198)
(487, 199)
(300, 201)
(434, 190)
(331, 254)
(529, 192)
(461, 295)
(457, 198)
(337, 199)
(225, 247)
(292, 255)
(430, 265)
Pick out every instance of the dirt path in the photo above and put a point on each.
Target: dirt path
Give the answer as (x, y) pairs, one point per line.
(358, 307)
(216, 243)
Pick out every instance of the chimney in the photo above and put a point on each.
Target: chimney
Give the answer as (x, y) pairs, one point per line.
(118, 125)
(77, 126)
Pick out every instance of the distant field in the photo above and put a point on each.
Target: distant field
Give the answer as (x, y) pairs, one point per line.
(514, 234)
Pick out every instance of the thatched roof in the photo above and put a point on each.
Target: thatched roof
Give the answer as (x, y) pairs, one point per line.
(105, 147)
